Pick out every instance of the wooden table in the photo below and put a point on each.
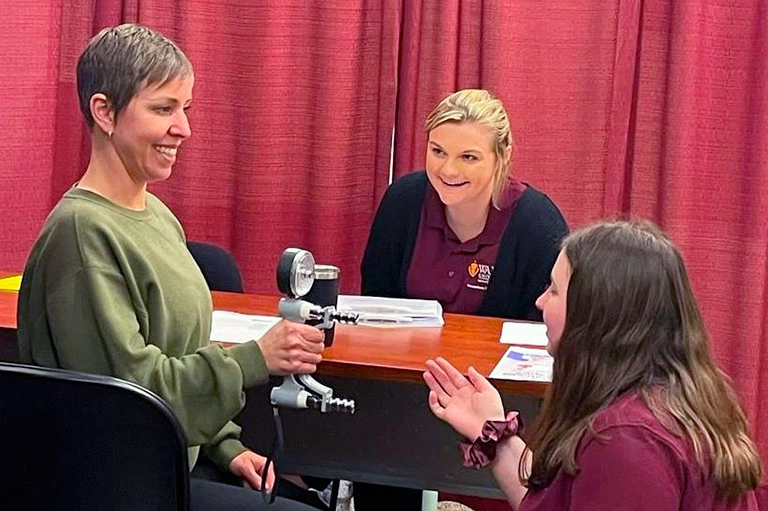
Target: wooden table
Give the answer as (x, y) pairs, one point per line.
(398, 354)
(392, 438)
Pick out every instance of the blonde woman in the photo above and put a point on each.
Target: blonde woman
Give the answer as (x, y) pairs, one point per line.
(464, 232)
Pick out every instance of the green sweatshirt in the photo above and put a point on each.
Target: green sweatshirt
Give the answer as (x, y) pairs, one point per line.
(113, 291)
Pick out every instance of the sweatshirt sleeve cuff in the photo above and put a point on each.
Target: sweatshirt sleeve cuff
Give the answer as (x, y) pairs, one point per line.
(223, 453)
(252, 363)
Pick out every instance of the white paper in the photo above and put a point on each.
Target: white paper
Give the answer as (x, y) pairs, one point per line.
(239, 328)
(393, 312)
(530, 334)
(524, 364)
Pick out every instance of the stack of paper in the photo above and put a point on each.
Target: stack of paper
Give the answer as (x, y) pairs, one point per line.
(524, 364)
(239, 328)
(377, 311)
(519, 332)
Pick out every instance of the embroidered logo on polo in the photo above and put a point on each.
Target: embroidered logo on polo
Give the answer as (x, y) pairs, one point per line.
(480, 275)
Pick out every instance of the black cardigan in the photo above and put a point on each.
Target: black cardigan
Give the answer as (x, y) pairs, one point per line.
(529, 248)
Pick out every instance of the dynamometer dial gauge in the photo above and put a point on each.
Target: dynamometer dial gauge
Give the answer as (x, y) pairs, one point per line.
(295, 272)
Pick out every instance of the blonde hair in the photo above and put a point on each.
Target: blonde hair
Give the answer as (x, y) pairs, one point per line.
(481, 107)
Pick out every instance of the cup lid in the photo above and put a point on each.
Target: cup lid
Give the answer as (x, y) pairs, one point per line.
(326, 272)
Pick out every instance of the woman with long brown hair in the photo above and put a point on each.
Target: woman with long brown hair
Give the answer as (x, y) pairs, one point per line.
(637, 416)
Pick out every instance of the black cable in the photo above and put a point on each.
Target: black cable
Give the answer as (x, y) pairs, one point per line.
(274, 458)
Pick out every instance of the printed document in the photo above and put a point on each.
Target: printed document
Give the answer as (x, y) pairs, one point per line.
(524, 364)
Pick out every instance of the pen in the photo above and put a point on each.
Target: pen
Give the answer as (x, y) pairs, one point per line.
(384, 320)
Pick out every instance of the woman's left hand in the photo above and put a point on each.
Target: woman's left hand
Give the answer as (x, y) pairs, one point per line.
(463, 402)
(250, 467)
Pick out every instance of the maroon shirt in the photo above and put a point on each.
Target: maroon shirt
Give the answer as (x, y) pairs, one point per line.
(454, 273)
(640, 466)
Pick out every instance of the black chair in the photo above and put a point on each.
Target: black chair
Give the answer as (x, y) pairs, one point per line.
(218, 266)
(74, 441)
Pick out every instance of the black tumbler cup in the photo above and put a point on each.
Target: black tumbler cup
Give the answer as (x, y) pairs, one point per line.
(324, 292)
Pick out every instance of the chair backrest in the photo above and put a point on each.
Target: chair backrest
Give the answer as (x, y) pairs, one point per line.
(218, 266)
(77, 441)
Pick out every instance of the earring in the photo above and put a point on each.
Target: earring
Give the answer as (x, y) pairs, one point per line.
(109, 134)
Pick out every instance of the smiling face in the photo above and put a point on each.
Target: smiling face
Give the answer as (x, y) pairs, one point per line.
(461, 163)
(148, 132)
(552, 302)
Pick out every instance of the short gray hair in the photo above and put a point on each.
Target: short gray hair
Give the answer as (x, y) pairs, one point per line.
(119, 61)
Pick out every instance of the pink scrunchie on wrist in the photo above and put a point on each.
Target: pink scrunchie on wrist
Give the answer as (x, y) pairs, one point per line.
(481, 452)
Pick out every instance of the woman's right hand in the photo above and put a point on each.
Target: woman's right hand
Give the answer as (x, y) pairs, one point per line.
(463, 402)
(291, 348)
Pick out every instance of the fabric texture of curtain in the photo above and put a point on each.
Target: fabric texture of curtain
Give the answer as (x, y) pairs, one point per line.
(292, 122)
(629, 108)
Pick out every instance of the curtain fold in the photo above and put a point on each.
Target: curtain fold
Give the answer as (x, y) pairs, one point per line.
(632, 109)
(550, 63)
(629, 108)
(699, 161)
(292, 127)
(622, 109)
(292, 122)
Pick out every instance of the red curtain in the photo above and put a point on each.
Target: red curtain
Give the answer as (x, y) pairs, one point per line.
(630, 108)
(293, 115)
(643, 108)
(697, 162)
(45, 146)
(292, 122)
(552, 65)
(29, 70)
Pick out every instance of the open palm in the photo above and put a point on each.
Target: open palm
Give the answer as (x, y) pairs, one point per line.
(463, 402)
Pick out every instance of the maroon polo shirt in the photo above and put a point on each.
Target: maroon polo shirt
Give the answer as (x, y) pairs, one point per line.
(454, 273)
(629, 461)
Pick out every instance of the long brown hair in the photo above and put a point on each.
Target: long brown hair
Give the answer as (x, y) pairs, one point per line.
(632, 323)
